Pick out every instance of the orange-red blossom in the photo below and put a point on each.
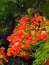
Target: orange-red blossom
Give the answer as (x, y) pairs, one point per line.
(2, 54)
(22, 39)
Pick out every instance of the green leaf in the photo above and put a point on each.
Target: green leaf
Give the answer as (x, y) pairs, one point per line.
(1, 63)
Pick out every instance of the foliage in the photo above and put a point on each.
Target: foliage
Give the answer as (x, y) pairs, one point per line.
(44, 8)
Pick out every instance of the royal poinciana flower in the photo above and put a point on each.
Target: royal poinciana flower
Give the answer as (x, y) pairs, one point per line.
(47, 22)
(25, 54)
(43, 35)
(2, 54)
(47, 63)
(23, 20)
(14, 48)
(36, 19)
(42, 62)
(25, 34)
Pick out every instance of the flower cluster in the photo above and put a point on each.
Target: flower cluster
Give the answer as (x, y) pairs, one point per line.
(2, 54)
(25, 34)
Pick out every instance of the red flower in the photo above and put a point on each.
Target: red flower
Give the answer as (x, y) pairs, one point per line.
(27, 35)
(0, 61)
(43, 35)
(36, 37)
(35, 20)
(25, 46)
(21, 27)
(27, 41)
(33, 24)
(42, 62)
(13, 49)
(23, 20)
(19, 35)
(15, 31)
(10, 38)
(39, 18)
(25, 55)
(47, 21)
(2, 54)
(47, 63)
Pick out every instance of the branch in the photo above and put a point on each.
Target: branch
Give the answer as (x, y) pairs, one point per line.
(36, 4)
